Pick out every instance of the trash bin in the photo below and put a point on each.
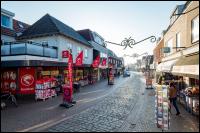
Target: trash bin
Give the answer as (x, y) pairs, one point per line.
(77, 87)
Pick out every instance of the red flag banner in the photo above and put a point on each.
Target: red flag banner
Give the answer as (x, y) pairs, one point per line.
(96, 62)
(104, 62)
(79, 59)
(70, 63)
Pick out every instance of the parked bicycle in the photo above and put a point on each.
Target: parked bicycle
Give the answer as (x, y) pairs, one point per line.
(10, 97)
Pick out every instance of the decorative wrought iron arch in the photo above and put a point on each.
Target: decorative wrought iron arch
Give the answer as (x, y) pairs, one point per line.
(130, 42)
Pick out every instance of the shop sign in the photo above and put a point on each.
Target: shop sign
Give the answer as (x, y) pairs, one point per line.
(79, 59)
(45, 73)
(27, 80)
(65, 54)
(54, 73)
(166, 49)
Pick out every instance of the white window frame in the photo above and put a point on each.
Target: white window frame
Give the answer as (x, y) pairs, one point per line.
(178, 39)
(85, 53)
(170, 45)
(195, 30)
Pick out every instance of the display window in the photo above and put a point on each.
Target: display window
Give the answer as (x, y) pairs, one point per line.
(9, 81)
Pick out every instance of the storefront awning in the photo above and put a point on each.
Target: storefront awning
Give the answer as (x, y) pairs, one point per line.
(187, 66)
(166, 66)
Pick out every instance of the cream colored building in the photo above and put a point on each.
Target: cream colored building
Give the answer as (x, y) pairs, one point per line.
(182, 37)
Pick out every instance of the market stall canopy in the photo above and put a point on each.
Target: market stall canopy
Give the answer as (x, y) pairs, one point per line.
(187, 66)
(166, 66)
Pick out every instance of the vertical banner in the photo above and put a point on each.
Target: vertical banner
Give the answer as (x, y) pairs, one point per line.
(70, 75)
(96, 61)
(104, 62)
(79, 59)
(27, 80)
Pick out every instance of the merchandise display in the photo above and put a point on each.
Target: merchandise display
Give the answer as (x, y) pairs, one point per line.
(162, 107)
(189, 98)
(45, 88)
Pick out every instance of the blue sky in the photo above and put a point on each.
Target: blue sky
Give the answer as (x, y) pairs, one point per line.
(114, 21)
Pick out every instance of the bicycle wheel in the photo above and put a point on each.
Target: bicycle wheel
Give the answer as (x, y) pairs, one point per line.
(14, 101)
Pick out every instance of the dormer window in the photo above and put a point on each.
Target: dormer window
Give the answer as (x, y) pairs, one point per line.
(20, 25)
(6, 21)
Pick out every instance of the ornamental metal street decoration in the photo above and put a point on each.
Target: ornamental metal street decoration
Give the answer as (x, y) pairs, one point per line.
(135, 55)
(130, 42)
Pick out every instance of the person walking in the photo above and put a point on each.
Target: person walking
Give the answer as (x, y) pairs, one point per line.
(173, 97)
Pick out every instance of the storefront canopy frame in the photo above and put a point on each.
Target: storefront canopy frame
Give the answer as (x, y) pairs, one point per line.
(187, 66)
(166, 66)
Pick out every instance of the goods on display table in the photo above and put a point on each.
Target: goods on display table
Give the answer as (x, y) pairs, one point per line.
(162, 107)
(45, 88)
(189, 98)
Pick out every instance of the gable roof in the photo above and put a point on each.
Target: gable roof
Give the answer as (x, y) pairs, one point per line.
(87, 34)
(49, 25)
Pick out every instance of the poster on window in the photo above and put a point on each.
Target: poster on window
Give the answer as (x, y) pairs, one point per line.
(8, 81)
(27, 80)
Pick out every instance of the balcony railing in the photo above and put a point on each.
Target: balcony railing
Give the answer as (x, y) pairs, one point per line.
(28, 48)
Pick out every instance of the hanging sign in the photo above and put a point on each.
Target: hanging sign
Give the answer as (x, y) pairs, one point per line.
(65, 54)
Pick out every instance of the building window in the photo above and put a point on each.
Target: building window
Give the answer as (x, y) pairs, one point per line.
(86, 53)
(195, 29)
(169, 44)
(78, 50)
(178, 40)
(6, 21)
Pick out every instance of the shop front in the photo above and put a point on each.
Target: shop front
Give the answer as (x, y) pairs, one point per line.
(21, 77)
(188, 68)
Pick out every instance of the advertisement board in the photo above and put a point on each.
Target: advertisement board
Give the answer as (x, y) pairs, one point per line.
(27, 80)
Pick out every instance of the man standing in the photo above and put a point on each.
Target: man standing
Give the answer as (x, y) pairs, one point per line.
(173, 97)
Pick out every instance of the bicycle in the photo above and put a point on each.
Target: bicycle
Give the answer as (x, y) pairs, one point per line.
(10, 96)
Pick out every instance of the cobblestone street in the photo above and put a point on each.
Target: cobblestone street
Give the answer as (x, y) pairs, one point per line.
(108, 115)
(130, 109)
(124, 107)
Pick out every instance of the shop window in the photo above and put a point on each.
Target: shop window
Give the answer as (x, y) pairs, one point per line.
(195, 29)
(78, 50)
(169, 44)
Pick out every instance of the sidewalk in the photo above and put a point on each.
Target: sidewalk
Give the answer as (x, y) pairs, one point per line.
(142, 117)
(186, 122)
